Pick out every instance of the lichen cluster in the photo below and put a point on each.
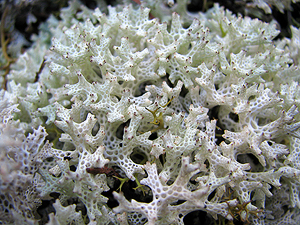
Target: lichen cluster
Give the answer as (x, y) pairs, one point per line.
(199, 112)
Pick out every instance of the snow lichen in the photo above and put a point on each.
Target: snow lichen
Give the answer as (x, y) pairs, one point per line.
(201, 111)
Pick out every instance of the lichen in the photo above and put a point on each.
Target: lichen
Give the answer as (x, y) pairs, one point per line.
(199, 112)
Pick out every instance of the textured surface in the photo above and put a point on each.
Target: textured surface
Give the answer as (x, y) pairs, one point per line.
(198, 113)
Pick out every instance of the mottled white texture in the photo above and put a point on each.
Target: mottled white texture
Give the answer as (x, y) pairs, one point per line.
(201, 112)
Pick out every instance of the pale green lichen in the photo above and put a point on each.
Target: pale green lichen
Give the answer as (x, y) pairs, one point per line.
(209, 102)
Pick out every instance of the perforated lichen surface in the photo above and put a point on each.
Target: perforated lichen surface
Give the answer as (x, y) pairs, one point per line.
(128, 120)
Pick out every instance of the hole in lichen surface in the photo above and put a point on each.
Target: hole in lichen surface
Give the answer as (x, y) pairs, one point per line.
(263, 121)
(213, 112)
(58, 175)
(166, 79)
(234, 117)
(216, 86)
(49, 159)
(138, 156)
(95, 129)
(73, 168)
(162, 159)
(44, 118)
(183, 91)
(192, 185)
(206, 162)
(179, 202)
(153, 136)
(142, 88)
(54, 133)
(218, 133)
(251, 97)
(120, 129)
(253, 202)
(247, 158)
(211, 195)
(198, 217)
(46, 208)
(67, 158)
(130, 193)
(112, 202)
(250, 158)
